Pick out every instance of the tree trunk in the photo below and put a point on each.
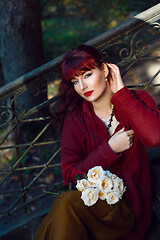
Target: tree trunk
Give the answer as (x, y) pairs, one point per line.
(21, 44)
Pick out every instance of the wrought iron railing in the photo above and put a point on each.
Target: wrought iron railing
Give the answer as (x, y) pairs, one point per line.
(133, 45)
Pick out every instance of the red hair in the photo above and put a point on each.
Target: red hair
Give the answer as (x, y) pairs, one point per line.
(78, 60)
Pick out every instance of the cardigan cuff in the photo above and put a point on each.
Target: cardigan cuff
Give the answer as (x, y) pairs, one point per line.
(107, 151)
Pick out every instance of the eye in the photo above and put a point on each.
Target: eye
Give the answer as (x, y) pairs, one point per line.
(88, 75)
(75, 82)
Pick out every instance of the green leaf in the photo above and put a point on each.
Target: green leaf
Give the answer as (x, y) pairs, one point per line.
(77, 177)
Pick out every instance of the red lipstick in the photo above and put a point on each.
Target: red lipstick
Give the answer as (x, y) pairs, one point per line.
(87, 94)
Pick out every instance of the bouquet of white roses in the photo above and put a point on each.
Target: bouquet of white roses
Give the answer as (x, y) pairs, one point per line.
(100, 184)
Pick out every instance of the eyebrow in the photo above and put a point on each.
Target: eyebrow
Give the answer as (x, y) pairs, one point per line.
(83, 72)
(73, 79)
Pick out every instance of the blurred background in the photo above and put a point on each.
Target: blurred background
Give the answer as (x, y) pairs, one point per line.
(68, 23)
(34, 35)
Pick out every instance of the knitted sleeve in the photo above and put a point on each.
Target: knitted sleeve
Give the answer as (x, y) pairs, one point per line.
(141, 112)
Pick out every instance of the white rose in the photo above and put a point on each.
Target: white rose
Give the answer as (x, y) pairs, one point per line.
(96, 174)
(102, 195)
(93, 184)
(82, 184)
(113, 197)
(90, 196)
(119, 186)
(113, 176)
(105, 185)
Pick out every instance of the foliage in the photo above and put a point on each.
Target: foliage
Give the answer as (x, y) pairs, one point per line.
(68, 23)
(61, 34)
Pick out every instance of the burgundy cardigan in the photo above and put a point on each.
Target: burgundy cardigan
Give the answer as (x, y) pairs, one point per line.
(85, 145)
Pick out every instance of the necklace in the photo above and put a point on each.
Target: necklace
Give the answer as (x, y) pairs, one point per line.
(110, 120)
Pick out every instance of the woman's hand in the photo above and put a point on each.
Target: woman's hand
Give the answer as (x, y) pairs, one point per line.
(114, 78)
(121, 141)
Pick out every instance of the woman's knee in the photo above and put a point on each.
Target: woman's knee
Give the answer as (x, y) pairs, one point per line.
(69, 198)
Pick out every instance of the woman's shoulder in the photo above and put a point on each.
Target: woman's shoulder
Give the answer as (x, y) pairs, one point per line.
(74, 117)
(146, 97)
(138, 92)
(141, 93)
(78, 118)
(125, 97)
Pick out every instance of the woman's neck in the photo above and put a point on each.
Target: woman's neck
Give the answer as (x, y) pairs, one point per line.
(103, 106)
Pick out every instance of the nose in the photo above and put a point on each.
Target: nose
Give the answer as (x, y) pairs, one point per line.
(82, 84)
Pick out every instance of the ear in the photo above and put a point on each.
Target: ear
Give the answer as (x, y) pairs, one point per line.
(105, 69)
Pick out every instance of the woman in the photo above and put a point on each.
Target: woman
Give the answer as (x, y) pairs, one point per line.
(104, 124)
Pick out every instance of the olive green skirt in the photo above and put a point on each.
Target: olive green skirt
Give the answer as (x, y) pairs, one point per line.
(70, 219)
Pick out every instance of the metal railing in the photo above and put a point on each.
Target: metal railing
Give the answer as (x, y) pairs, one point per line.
(133, 45)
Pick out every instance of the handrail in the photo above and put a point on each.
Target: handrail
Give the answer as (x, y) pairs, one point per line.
(129, 25)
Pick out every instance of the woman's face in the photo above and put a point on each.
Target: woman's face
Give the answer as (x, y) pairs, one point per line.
(91, 84)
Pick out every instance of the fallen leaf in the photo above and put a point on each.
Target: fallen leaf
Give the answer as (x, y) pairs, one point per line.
(49, 178)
